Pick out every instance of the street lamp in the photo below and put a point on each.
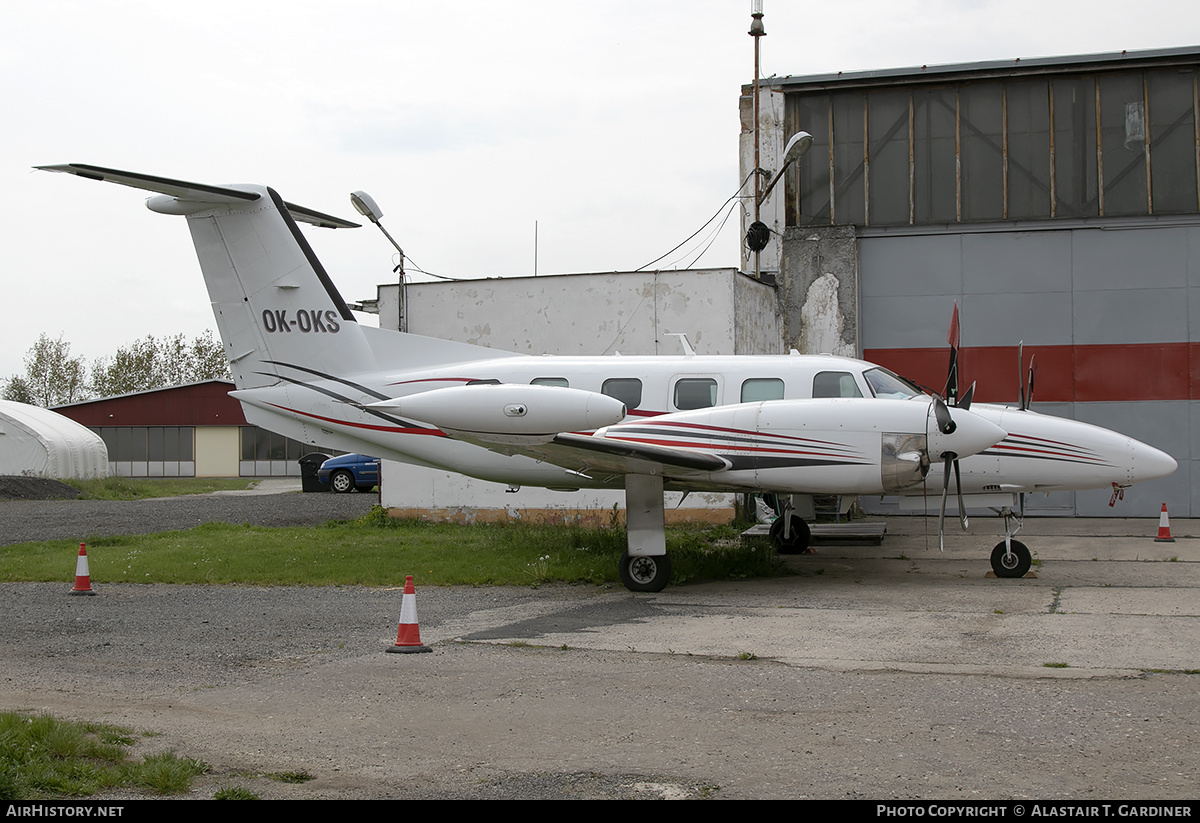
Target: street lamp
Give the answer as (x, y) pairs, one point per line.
(758, 234)
(366, 206)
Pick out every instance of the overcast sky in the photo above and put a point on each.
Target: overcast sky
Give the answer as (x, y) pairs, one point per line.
(612, 124)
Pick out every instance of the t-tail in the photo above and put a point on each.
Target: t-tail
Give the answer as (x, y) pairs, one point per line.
(280, 317)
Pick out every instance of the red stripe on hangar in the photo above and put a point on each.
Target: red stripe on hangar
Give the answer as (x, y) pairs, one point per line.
(1065, 374)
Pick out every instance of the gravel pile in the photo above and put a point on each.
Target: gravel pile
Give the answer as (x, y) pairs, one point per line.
(35, 488)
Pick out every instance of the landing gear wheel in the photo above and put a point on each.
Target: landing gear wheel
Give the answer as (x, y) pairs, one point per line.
(644, 573)
(799, 540)
(1011, 565)
(341, 482)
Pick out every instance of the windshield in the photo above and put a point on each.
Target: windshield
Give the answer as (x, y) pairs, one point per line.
(885, 384)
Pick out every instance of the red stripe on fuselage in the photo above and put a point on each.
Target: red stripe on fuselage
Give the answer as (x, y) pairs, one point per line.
(367, 426)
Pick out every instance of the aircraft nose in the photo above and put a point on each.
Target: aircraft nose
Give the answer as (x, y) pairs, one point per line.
(1149, 463)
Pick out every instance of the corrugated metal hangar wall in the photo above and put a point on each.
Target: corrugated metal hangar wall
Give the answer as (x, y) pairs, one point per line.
(1056, 200)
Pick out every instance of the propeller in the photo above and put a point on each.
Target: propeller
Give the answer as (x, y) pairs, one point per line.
(946, 426)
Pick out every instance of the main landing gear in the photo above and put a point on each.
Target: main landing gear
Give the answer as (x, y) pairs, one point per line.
(1011, 558)
(645, 573)
(645, 566)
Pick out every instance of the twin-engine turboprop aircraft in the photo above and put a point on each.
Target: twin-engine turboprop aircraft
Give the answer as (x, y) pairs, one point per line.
(791, 425)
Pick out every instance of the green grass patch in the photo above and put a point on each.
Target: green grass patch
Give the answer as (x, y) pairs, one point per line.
(43, 757)
(235, 793)
(140, 488)
(379, 551)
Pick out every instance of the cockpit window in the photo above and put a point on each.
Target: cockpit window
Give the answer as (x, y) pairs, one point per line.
(835, 384)
(885, 384)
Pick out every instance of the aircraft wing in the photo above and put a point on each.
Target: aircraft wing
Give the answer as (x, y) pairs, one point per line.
(596, 456)
(192, 192)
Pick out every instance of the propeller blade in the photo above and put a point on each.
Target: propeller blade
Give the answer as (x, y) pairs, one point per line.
(1021, 373)
(941, 413)
(1029, 394)
(945, 489)
(962, 507)
(951, 391)
(965, 402)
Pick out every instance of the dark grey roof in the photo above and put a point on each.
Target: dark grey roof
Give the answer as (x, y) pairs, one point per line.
(1183, 56)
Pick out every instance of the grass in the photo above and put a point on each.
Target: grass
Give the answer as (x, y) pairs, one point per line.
(43, 757)
(379, 551)
(140, 488)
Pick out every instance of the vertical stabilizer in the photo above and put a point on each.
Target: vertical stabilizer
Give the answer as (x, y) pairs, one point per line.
(275, 306)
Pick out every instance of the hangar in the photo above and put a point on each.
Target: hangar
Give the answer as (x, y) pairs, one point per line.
(37, 442)
(195, 430)
(1056, 200)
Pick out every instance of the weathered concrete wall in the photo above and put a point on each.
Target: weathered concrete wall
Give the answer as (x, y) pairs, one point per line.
(593, 314)
(756, 318)
(720, 310)
(771, 141)
(818, 290)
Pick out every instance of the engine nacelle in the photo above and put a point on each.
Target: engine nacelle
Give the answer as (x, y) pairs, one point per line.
(508, 412)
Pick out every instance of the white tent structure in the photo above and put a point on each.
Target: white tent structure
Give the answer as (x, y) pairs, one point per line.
(37, 442)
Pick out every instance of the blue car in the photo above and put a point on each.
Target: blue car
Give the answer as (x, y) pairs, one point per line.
(349, 472)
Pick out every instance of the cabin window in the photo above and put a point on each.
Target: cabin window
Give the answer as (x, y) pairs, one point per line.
(695, 393)
(835, 384)
(626, 389)
(758, 389)
(561, 382)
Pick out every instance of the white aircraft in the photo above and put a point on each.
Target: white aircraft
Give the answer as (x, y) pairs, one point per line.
(786, 424)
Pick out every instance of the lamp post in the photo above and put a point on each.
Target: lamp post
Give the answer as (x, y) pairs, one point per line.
(759, 234)
(366, 206)
(756, 31)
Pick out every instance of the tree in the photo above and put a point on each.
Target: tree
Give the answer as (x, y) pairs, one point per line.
(154, 364)
(52, 377)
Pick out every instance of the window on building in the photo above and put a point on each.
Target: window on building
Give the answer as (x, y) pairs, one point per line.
(1110, 143)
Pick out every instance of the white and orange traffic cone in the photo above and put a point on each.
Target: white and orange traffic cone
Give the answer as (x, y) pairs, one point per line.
(408, 635)
(1164, 527)
(83, 580)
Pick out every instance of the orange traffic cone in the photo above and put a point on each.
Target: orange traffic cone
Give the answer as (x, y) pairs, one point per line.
(1164, 527)
(83, 581)
(408, 635)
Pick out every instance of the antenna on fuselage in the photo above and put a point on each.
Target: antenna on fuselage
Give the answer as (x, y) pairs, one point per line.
(688, 351)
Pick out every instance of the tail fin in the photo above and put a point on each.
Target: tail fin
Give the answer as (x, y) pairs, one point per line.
(275, 305)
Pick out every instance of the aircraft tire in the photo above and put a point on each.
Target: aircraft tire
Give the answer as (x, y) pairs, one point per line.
(645, 574)
(341, 482)
(1016, 565)
(797, 543)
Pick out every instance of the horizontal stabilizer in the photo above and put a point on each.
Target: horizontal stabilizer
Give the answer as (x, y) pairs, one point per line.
(193, 192)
